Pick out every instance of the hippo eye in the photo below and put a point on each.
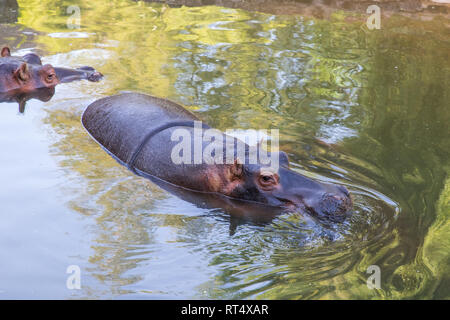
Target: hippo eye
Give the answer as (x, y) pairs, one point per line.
(267, 180)
(50, 77)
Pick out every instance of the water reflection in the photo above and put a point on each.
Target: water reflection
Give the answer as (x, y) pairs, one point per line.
(238, 210)
(41, 94)
(9, 11)
(315, 8)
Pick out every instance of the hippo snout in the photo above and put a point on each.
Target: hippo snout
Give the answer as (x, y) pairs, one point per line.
(333, 204)
(334, 207)
(326, 201)
(95, 76)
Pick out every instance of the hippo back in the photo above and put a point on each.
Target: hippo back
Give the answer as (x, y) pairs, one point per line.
(120, 122)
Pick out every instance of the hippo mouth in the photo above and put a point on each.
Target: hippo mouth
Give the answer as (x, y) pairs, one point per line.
(327, 207)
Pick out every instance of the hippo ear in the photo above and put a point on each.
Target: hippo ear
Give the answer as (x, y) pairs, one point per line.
(22, 72)
(284, 159)
(237, 168)
(6, 52)
(32, 58)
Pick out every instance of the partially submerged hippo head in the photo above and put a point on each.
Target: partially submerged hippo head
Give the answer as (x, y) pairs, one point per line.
(282, 187)
(288, 188)
(137, 130)
(18, 74)
(27, 73)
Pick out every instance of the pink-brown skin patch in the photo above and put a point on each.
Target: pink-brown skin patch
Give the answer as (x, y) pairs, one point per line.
(5, 52)
(225, 178)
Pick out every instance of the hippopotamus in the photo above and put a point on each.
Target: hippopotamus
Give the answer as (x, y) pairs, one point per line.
(138, 131)
(27, 73)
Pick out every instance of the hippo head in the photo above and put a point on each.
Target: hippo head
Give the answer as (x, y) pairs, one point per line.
(25, 74)
(286, 188)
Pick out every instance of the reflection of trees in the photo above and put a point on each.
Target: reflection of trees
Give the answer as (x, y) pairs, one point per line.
(388, 88)
(436, 246)
(314, 8)
(105, 187)
(406, 92)
(279, 67)
(9, 11)
(9, 37)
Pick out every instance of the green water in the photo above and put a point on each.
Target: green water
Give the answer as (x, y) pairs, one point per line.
(365, 108)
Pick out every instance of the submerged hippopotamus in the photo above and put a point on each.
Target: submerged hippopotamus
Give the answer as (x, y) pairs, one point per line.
(138, 131)
(25, 74)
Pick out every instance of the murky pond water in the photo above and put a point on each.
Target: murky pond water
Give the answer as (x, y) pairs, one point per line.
(365, 108)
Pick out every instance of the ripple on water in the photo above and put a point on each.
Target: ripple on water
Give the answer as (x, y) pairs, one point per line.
(295, 247)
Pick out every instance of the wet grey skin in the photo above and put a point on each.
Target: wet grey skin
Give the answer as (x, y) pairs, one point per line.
(121, 122)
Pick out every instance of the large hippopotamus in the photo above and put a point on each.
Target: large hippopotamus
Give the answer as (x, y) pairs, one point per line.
(42, 94)
(26, 74)
(138, 130)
